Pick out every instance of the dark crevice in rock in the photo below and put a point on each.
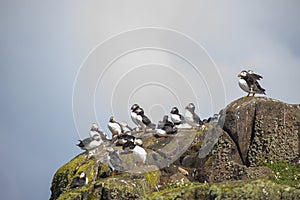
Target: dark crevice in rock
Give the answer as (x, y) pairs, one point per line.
(247, 162)
(103, 193)
(235, 140)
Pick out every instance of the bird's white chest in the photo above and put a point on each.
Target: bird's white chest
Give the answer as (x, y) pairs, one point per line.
(175, 118)
(243, 85)
(188, 116)
(139, 120)
(114, 127)
(94, 133)
(133, 117)
(94, 144)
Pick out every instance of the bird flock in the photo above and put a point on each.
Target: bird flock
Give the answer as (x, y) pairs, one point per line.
(126, 137)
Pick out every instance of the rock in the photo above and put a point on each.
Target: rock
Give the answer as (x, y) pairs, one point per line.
(263, 129)
(252, 150)
(257, 189)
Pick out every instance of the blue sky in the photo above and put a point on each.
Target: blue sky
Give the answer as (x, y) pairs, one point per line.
(43, 45)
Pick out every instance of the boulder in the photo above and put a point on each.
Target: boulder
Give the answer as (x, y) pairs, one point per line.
(253, 150)
(263, 129)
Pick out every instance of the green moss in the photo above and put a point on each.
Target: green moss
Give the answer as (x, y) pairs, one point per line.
(152, 178)
(174, 191)
(258, 189)
(284, 173)
(72, 165)
(88, 168)
(207, 162)
(103, 171)
(76, 193)
(64, 174)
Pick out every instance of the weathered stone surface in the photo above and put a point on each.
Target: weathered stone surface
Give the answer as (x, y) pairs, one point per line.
(257, 189)
(252, 135)
(263, 129)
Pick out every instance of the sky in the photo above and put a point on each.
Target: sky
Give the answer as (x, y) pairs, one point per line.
(66, 64)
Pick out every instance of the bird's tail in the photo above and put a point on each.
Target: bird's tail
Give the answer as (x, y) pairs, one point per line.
(80, 144)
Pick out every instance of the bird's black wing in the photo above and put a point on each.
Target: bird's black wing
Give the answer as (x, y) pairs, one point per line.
(197, 119)
(250, 80)
(75, 183)
(85, 142)
(146, 120)
(168, 123)
(128, 144)
(255, 76)
(126, 137)
(259, 87)
(122, 130)
(181, 117)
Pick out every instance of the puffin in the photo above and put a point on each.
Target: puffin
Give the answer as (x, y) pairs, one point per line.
(114, 127)
(166, 127)
(249, 82)
(176, 118)
(191, 117)
(95, 131)
(126, 129)
(139, 154)
(213, 119)
(90, 143)
(122, 139)
(255, 76)
(143, 121)
(133, 114)
(79, 181)
(114, 161)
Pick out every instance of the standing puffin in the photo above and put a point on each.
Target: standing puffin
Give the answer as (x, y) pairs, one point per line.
(95, 131)
(133, 114)
(139, 154)
(143, 121)
(249, 82)
(126, 129)
(114, 127)
(114, 161)
(176, 118)
(79, 181)
(191, 117)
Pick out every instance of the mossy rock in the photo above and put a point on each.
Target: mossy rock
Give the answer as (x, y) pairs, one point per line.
(64, 175)
(258, 189)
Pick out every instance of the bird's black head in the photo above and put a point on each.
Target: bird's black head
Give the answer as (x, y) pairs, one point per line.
(81, 174)
(250, 71)
(139, 111)
(190, 107)
(112, 119)
(94, 127)
(134, 107)
(165, 119)
(174, 110)
(243, 74)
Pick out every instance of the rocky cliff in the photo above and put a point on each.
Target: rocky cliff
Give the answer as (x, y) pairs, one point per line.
(251, 152)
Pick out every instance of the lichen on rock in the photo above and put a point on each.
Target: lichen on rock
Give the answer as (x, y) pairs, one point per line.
(251, 152)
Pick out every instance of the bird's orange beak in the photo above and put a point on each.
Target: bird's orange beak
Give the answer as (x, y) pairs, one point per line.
(239, 75)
